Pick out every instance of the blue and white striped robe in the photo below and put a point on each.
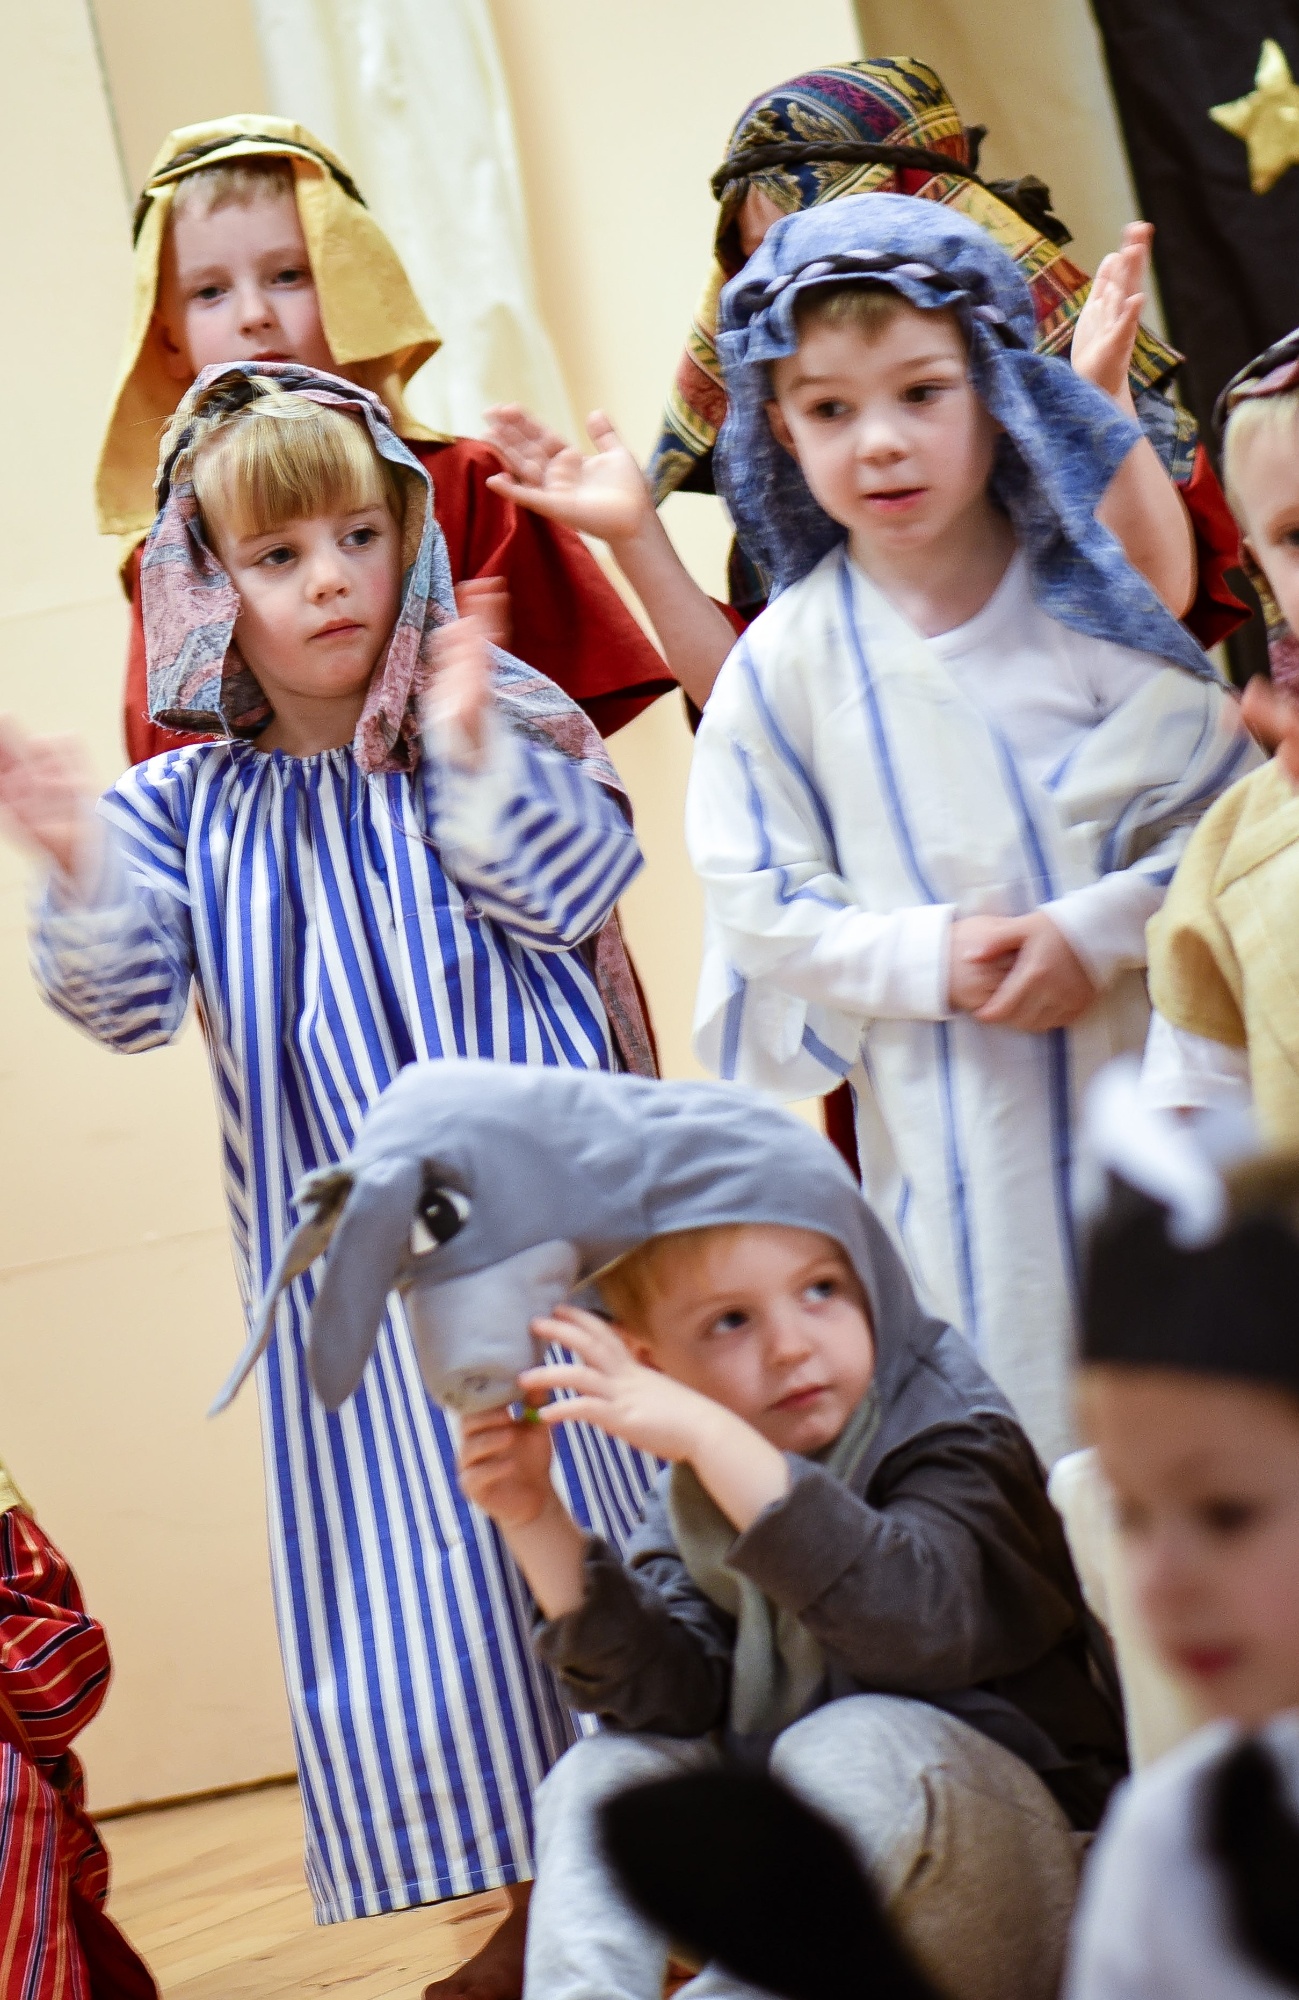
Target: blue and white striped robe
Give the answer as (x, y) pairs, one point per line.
(840, 768)
(309, 909)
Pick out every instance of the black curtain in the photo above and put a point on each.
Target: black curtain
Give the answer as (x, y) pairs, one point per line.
(1227, 259)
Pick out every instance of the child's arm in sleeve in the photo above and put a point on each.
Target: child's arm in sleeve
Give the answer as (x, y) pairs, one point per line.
(112, 942)
(543, 849)
(957, 1575)
(762, 843)
(1181, 1071)
(1106, 921)
(644, 1650)
(54, 1664)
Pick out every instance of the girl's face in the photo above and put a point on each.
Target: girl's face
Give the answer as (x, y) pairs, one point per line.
(888, 429)
(236, 285)
(319, 599)
(1205, 1474)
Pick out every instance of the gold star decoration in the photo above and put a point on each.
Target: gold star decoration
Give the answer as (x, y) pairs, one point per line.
(1267, 119)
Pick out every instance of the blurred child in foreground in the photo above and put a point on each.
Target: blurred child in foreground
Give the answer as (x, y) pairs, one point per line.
(1190, 1392)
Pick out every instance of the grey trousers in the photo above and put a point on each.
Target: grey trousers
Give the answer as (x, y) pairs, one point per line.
(973, 1856)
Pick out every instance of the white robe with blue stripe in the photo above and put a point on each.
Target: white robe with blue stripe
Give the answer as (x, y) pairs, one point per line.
(841, 769)
(307, 907)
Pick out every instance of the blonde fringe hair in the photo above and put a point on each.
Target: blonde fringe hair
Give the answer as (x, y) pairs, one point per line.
(281, 458)
(1251, 418)
(631, 1287)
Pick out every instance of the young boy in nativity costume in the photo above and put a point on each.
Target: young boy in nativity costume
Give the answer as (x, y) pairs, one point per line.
(943, 781)
(345, 884)
(851, 1566)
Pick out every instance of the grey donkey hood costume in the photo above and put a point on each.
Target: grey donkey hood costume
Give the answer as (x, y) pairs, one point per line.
(487, 1192)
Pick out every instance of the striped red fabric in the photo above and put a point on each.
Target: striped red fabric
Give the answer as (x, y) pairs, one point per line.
(54, 1670)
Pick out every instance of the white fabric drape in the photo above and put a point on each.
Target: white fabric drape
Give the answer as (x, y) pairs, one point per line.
(412, 94)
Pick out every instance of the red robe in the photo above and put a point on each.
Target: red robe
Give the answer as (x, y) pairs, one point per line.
(55, 1941)
(568, 620)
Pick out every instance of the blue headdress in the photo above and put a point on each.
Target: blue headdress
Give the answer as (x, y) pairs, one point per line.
(1062, 441)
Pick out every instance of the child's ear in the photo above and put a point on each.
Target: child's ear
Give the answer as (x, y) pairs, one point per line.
(174, 359)
(780, 429)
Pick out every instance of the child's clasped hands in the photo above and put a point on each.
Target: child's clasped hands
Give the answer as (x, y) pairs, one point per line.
(1017, 972)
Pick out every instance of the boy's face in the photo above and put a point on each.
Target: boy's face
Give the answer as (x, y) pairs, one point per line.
(769, 1322)
(888, 430)
(318, 601)
(236, 285)
(1266, 486)
(1205, 1474)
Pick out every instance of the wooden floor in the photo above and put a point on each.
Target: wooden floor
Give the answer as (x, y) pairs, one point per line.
(213, 1896)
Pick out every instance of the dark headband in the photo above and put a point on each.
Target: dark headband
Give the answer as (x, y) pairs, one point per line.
(193, 154)
(1270, 373)
(1029, 197)
(1228, 1308)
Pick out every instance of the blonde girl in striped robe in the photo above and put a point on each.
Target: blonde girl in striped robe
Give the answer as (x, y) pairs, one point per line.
(341, 895)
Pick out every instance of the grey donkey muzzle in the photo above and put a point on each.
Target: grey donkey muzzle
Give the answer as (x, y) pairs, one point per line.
(381, 1230)
(473, 1334)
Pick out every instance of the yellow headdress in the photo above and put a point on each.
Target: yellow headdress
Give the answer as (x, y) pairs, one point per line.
(376, 328)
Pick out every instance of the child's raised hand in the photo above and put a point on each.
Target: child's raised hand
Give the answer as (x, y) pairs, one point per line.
(980, 952)
(1107, 325)
(1272, 715)
(46, 800)
(1047, 986)
(603, 495)
(504, 1467)
(456, 702)
(487, 598)
(614, 1391)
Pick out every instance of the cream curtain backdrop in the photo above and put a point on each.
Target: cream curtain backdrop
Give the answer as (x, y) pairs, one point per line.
(411, 92)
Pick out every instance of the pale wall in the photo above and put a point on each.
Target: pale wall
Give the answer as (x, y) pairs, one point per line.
(622, 115)
(118, 1314)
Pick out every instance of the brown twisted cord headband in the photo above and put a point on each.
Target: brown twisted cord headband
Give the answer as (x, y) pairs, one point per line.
(193, 154)
(1029, 197)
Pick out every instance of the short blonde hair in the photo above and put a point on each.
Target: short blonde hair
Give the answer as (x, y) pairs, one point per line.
(1254, 416)
(283, 458)
(631, 1287)
(254, 177)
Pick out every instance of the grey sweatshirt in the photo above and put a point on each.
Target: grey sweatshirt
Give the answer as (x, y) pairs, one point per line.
(942, 1573)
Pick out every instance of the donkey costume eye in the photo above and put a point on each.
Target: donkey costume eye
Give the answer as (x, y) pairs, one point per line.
(439, 1215)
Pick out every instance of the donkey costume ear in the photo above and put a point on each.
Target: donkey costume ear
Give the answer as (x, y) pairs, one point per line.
(323, 1197)
(370, 1247)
